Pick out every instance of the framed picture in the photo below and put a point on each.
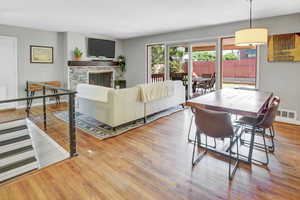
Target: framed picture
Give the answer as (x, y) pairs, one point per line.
(41, 54)
(284, 48)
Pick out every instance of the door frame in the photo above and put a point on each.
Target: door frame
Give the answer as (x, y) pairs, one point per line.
(174, 44)
(15, 43)
(218, 40)
(147, 64)
(257, 85)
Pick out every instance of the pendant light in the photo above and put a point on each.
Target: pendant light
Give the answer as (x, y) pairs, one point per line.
(251, 36)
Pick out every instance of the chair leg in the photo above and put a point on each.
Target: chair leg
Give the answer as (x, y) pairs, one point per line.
(258, 145)
(272, 147)
(266, 148)
(198, 143)
(232, 172)
(189, 140)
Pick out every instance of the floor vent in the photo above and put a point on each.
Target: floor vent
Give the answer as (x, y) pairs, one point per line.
(286, 115)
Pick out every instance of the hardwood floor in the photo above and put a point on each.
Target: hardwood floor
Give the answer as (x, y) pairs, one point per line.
(154, 162)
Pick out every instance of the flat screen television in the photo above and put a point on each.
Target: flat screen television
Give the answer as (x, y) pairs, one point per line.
(99, 47)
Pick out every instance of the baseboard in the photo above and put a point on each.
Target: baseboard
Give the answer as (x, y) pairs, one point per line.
(289, 121)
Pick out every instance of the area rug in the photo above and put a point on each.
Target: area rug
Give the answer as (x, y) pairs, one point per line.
(103, 131)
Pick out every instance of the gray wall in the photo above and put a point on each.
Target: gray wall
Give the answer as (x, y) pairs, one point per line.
(79, 40)
(63, 43)
(35, 72)
(281, 78)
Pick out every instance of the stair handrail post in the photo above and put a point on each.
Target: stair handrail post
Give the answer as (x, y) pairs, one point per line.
(72, 129)
(27, 101)
(44, 108)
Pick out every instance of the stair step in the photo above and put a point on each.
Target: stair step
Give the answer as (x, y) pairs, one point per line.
(15, 146)
(12, 124)
(13, 129)
(18, 168)
(14, 140)
(17, 164)
(17, 157)
(12, 135)
(16, 151)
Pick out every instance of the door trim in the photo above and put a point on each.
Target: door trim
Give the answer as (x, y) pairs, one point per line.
(15, 43)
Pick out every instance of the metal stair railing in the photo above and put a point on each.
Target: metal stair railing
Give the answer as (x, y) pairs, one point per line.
(71, 101)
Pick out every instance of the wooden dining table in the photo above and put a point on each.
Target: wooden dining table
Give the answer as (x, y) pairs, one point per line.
(235, 101)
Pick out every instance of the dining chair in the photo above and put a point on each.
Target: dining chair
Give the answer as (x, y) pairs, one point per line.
(209, 86)
(190, 129)
(216, 125)
(260, 125)
(271, 134)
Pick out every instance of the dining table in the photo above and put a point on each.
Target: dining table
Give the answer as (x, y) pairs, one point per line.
(243, 102)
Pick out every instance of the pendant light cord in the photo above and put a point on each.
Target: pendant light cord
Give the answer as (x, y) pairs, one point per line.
(250, 13)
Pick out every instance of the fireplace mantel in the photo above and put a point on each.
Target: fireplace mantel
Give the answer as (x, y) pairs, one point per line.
(99, 63)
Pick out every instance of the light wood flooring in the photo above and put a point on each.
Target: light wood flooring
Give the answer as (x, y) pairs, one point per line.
(154, 162)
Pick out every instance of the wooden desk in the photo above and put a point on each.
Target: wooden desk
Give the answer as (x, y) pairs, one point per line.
(236, 101)
(35, 87)
(32, 88)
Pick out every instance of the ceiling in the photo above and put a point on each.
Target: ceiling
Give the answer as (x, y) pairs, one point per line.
(132, 18)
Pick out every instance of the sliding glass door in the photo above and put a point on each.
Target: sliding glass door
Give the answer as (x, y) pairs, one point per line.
(239, 65)
(156, 68)
(178, 59)
(204, 65)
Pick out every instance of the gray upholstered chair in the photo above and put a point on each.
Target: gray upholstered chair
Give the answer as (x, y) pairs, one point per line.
(216, 125)
(260, 125)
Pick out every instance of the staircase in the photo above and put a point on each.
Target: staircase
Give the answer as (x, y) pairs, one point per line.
(17, 153)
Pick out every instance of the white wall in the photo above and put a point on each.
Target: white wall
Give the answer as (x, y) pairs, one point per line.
(27, 70)
(80, 40)
(280, 78)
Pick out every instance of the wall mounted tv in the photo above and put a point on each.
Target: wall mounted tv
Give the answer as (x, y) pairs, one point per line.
(99, 47)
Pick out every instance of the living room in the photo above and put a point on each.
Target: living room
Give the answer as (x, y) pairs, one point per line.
(132, 107)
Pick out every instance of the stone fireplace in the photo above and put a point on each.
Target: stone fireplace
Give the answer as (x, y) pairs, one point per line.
(102, 78)
(82, 74)
(92, 72)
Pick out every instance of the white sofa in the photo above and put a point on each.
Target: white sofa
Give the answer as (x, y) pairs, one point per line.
(120, 106)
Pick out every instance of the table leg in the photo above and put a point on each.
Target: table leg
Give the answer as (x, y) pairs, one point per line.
(194, 86)
(251, 144)
(198, 138)
(32, 93)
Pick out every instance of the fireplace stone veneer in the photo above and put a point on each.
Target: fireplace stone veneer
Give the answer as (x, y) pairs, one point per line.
(80, 74)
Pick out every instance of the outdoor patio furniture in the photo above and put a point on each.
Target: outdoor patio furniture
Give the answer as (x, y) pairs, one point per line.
(180, 76)
(206, 75)
(157, 77)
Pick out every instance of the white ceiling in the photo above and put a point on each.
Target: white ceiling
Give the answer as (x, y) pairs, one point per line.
(132, 18)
